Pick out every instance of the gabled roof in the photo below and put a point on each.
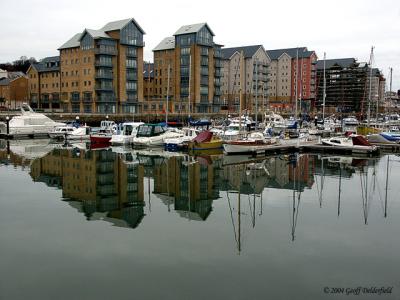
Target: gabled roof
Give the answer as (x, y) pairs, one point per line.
(72, 42)
(193, 28)
(14, 75)
(42, 66)
(341, 62)
(248, 51)
(165, 44)
(95, 34)
(292, 52)
(118, 25)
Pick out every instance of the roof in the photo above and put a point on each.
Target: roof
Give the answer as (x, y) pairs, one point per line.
(193, 28)
(72, 42)
(341, 62)
(100, 33)
(43, 65)
(118, 25)
(248, 51)
(146, 73)
(95, 34)
(292, 52)
(166, 44)
(15, 75)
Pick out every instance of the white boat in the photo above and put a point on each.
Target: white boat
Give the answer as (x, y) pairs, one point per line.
(233, 131)
(274, 123)
(29, 124)
(356, 143)
(70, 133)
(177, 143)
(253, 142)
(350, 121)
(129, 130)
(154, 135)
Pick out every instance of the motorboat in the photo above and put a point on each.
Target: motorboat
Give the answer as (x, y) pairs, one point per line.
(154, 135)
(70, 133)
(275, 122)
(356, 143)
(128, 132)
(350, 121)
(382, 138)
(104, 134)
(253, 142)
(179, 143)
(29, 124)
(205, 140)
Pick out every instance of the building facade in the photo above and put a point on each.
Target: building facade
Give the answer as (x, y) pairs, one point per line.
(44, 84)
(13, 89)
(292, 76)
(251, 81)
(102, 70)
(190, 62)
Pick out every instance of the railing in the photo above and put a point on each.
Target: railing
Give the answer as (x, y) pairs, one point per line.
(101, 87)
(99, 63)
(131, 76)
(204, 81)
(104, 76)
(105, 51)
(131, 53)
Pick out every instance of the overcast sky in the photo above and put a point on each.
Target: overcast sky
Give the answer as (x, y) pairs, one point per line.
(341, 28)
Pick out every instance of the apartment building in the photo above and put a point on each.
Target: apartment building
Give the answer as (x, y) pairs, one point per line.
(251, 81)
(148, 85)
(13, 89)
(187, 69)
(102, 70)
(286, 84)
(44, 84)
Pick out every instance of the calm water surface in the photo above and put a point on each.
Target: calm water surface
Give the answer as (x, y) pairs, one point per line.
(117, 224)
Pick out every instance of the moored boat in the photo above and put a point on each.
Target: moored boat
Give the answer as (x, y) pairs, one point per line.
(252, 143)
(104, 134)
(205, 140)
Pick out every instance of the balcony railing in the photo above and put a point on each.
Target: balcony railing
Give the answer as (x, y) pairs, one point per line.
(204, 81)
(131, 53)
(102, 87)
(103, 75)
(105, 51)
(131, 76)
(99, 63)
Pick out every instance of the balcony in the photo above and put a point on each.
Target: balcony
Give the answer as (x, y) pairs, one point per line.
(131, 53)
(103, 87)
(217, 82)
(204, 81)
(100, 75)
(204, 71)
(99, 63)
(133, 77)
(131, 66)
(218, 73)
(105, 51)
(217, 92)
(218, 64)
(204, 51)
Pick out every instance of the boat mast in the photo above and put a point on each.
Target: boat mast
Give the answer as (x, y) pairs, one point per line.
(256, 112)
(166, 111)
(324, 92)
(297, 81)
(370, 86)
(240, 90)
(190, 72)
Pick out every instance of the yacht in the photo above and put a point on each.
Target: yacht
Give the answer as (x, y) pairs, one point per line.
(70, 133)
(29, 124)
(104, 134)
(356, 143)
(254, 142)
(128, 132)
(350, 121)
(154, 135)
(178, 143)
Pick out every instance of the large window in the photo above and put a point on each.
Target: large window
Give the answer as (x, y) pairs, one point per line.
(131, 63)
(131, 35)
(186, 39)
(131, 85)
(204, 37)
(87, 42)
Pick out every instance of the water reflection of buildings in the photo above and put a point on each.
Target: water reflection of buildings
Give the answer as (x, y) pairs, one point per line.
(106, 185)
(187, 184)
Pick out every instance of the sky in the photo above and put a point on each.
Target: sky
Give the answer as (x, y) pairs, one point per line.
(341, 28)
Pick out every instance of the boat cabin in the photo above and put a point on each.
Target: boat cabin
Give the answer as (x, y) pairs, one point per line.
(147, 130)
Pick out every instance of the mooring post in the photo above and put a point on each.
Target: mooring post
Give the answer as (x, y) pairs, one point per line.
(8, 124)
